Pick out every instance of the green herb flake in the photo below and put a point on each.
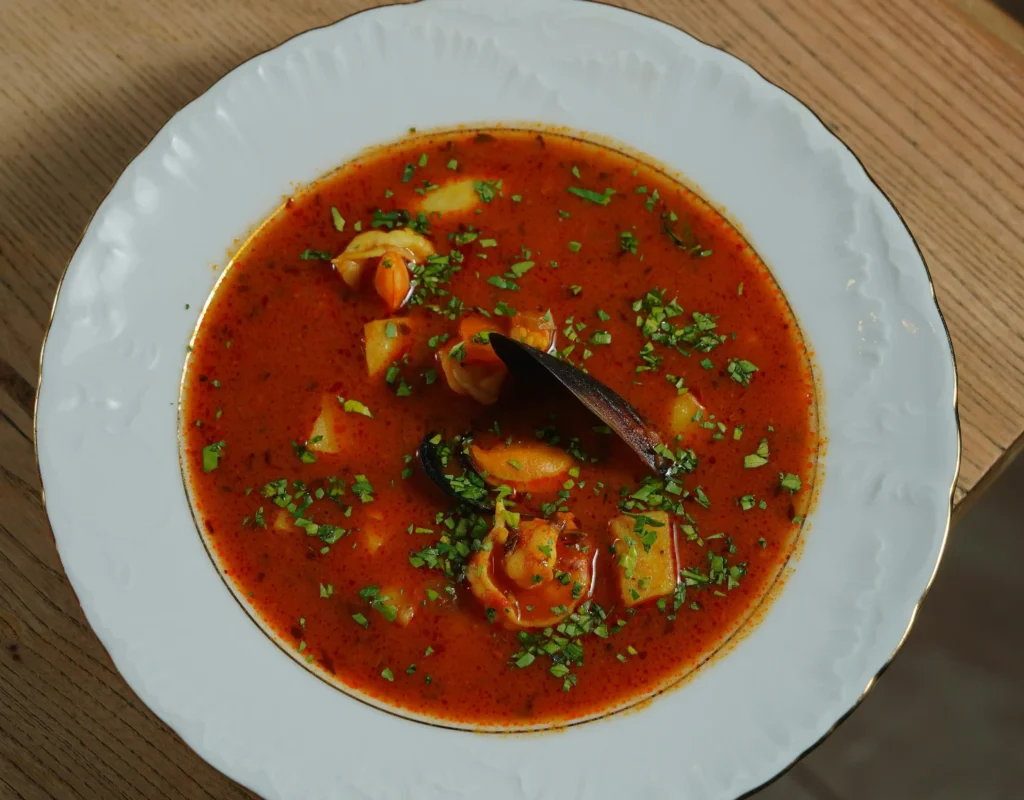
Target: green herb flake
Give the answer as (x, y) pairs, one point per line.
(352, 406)
(339, 221)
(599, 198)
(487, 190)
(758, 458)
(741, 370)
(387, 674)
(790, 482)
(575, 247)
(211, 455)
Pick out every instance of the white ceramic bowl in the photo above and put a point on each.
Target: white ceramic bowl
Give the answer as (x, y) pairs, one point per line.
(106, 415)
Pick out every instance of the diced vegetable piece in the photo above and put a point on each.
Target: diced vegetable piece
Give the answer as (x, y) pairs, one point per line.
(453, 197)
(373, 541)
(283, 521)
(644, 558)
(381, 349)
(401, 602)
(683, 415)
(392, 280)
(524, 466)
(373, 530)
(324, 427)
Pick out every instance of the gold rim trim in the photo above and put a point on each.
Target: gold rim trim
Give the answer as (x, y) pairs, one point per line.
(759, 74)
(744, 624)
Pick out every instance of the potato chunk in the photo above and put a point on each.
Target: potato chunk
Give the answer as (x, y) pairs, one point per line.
(383, 349)
(324, 427)
(681, 415)
(458, 196)
(645, 561)
(402, 603)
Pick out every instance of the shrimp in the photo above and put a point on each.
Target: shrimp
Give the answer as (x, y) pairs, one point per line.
(350, 263)
(534, 577)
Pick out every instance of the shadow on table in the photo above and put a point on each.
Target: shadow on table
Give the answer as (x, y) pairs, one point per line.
(946, 720)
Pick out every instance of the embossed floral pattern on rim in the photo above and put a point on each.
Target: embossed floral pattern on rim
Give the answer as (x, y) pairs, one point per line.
(890, 285)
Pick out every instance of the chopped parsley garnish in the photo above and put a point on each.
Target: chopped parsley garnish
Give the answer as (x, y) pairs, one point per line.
(790, 482)
(361, 620)
(600, 198)
(379, 602)
(303, 452)
(562, 644)
(339, 221)
(314, 255)
(655, 318)
(211, 455)
(387, 674)
(600, 337)
(362, 489)
(628, 242)
(758, 458)
(685, 242)
(741, 370)
(575, 247)
(453, 164)
(487, 190)
(355, 407)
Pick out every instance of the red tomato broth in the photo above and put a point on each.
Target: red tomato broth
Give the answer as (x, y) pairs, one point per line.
(296, 332)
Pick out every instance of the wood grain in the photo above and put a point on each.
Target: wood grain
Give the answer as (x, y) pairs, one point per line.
(928, 94)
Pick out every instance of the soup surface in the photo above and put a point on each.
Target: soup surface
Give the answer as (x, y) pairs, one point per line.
(357, 320)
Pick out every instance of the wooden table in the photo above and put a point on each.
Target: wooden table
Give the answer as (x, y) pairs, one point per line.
(930, 94)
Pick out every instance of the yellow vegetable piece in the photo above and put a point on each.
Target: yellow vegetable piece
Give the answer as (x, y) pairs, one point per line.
(324, 426)
(283, 521)
(382, 350)
(402, 603)
(682, 412)
(453, 197)
(646, 572)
